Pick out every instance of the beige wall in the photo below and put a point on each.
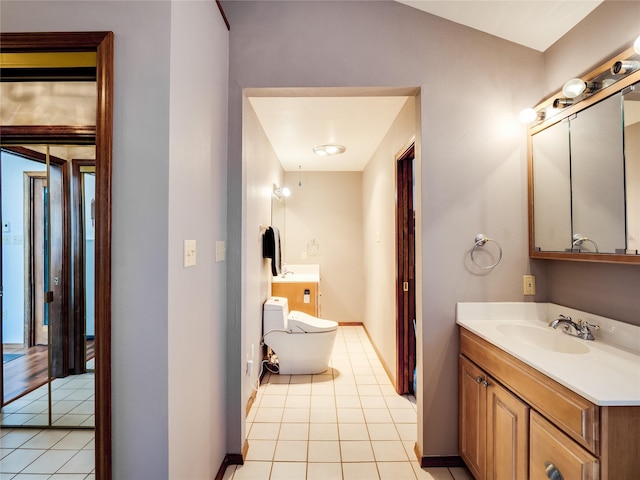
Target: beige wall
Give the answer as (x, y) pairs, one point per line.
(327, 208)
(379, 243)
(262, 171)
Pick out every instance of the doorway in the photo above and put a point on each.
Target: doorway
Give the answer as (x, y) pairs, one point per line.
(406, 268)
(98, 48)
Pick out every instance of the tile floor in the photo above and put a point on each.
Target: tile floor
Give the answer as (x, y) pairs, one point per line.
(347, 423)
(35, 454)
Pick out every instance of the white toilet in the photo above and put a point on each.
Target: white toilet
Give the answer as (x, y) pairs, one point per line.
(302, 342)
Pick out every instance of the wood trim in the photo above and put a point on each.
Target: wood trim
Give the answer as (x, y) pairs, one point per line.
(619, 456)
(48, 134)
(437, 461)
(103, 44)
(224, 15)
(352, 324)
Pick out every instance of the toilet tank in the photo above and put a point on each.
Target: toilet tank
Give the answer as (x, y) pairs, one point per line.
(275, 313)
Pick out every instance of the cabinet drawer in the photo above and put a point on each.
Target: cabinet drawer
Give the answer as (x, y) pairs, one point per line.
(551, 450)
(575, 415)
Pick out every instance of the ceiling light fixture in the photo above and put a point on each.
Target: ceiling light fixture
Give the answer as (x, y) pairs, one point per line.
(324, 150)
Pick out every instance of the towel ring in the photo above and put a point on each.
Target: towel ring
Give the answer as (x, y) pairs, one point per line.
(481, 240)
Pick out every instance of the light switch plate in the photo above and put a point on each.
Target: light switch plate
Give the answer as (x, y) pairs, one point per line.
(189, 253)
(221, 251)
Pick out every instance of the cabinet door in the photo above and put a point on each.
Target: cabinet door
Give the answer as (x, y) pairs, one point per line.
(507, 434)
(294, 292)
(556, 456)
(472, 417)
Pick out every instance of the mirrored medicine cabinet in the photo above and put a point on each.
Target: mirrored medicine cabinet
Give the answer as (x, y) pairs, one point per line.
(584, 171)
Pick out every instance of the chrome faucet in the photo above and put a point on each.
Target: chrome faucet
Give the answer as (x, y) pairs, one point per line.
(581, 329)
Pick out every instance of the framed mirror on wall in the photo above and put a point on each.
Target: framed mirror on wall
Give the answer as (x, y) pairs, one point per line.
(46, 77)
(584, 168)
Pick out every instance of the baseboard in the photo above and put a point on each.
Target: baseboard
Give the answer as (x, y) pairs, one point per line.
(437, 461)
(350, 324)
(232, 459)
(252, 399)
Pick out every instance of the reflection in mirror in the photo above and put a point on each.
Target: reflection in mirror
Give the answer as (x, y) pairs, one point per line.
(44, 379)
(597, 178)
(278, 217)
(632, 164)
(552, 188)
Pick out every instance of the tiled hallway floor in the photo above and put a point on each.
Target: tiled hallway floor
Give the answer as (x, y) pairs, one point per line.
(347, 423)
(36, 454)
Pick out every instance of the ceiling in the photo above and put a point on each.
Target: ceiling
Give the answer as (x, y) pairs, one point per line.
(294, 125)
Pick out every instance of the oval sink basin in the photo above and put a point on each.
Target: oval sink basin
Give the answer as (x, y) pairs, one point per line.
(544, 339)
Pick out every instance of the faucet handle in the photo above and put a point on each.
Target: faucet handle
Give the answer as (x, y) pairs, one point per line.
(586, 326)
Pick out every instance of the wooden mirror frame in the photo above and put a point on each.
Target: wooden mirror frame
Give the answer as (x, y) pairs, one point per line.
(618, 86)
(102, 44)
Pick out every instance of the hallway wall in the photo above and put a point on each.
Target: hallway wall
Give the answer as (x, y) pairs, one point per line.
(155, 135)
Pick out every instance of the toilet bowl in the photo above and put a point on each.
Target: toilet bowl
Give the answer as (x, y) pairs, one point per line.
(302, 342)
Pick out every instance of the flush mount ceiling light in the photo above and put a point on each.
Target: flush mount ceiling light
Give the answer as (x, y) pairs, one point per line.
(324, 150)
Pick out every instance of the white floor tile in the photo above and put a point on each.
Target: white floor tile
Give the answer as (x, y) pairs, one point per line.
(294, 431)
(291, 451)
(360, 471)
(356, 451)
(389, 451)
(19, 459)
(324, 451)
(253, 471)
(353, 431)
(383, 431)
(440, 473)
(264, 431)
(81, 462)
(323, 431)
(261, 450)
(49, 462)
(460, 473)
(324, 471)
(396, 471)
(288, 471)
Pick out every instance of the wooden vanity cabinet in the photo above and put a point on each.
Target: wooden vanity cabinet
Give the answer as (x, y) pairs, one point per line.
(514, 421)
(294, 293)
(494, 440)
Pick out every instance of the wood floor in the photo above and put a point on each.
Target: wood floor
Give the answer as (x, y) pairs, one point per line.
(28, 372)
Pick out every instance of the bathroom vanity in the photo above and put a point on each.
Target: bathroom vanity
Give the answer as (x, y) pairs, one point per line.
(299, 285)
(535, 403)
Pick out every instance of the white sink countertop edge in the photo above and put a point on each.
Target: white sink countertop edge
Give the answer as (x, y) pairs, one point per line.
(607, 375)
(299, 274)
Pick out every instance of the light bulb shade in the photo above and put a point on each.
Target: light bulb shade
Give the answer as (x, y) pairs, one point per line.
(574, 88)
(528, 115)
(330, 149)
(636, 45)
(286, 192)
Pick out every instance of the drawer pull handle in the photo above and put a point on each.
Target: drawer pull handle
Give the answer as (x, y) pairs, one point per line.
(479, 379)
(552, 472)
(485, 384)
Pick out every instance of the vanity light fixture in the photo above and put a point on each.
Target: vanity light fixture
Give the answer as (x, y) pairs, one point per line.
(623, 68)
(529, 115)
(331, 149)
(576, 86)
(280, 192)
(562, 102)
(636, 45)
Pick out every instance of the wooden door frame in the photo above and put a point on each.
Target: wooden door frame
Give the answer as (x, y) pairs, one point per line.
(102, 135)
(405, 272)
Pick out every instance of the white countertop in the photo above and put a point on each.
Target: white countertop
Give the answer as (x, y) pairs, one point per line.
(299, 273)
(607, 373)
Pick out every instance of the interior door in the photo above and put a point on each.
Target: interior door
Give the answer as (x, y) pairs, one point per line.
(405, 288)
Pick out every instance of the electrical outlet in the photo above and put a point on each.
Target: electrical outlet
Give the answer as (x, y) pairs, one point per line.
(304, 255)
(529, 284)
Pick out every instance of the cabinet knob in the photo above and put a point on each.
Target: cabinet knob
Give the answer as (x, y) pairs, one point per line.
(551, 471)
(485, 384)
(479, 379)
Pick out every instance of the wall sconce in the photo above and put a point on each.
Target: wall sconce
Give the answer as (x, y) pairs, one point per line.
(529, 115)
(280, 192)
(324, 150)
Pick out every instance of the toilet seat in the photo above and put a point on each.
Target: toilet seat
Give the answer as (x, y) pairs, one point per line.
(299, 322)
